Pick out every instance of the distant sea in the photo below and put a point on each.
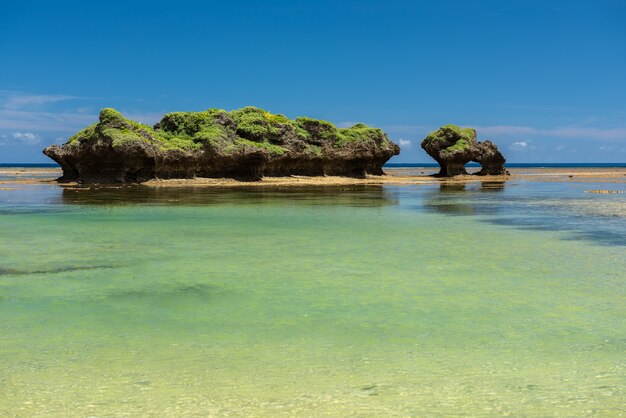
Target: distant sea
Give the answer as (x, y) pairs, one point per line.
(518, 165)
(29, 165)
(407, 165)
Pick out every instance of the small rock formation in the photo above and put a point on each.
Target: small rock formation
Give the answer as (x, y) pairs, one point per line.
(247, 143)
(490, 159)
(453, 147)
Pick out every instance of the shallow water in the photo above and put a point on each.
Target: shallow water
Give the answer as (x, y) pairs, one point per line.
(485, 299)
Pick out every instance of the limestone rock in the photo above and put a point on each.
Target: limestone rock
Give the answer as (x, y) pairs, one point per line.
(490, 158)
(453, 147)
(247, 143)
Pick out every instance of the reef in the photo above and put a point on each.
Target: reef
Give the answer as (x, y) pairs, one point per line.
(247, 143)
(453, 147)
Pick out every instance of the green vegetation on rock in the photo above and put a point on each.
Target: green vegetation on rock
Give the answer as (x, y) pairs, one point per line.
(452, 137)
(247, 143)
(256, 124)
(460, 145)
(314, 150)
(111, 116)
(120, 136)
(316, 128)
(82, 135)
(359, 133)
(190, 123)
(271, 148)
(453, 147)
(229, 131)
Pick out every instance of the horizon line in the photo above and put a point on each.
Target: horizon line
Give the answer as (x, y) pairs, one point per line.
(18, 164)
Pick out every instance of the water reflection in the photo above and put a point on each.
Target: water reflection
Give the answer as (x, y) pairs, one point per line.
(535, 206)
(358, 196)
(463, 198)
(488, 186)
(451, 187)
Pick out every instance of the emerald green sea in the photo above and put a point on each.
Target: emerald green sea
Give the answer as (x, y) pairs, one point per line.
(487, 299)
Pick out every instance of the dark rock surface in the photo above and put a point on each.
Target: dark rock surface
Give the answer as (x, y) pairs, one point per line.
(246, 144)
(490, 159)
(453, 147)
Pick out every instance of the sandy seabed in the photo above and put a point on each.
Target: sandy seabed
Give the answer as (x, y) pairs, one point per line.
(14, 177)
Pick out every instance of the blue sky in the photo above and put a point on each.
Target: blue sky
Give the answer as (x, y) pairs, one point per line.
(545, 80)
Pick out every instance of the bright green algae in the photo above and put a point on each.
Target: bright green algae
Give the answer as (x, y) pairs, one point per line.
(463, 137)
(249, 126)
(321, 302)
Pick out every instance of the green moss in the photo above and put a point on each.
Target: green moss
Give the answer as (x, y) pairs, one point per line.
(255, 124)
(229, 131)
(83, 135)
(459, 145)
(175, 142)
(271, 148)
(110, 116)
(452, 137)
(452, 133)
(301, 133)
(317, 128)
(190, 130)
(258, 125)
(120, 136)
(359, 133)
(276, 119)
(314, 150)
(210, 134)
(189, 123)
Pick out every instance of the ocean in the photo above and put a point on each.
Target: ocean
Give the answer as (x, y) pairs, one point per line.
(404, 165)
(479, 299)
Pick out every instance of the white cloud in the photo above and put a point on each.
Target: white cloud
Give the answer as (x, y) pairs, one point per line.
(30, 112)
(26, 137)
(44, 121)
(404, 142)
(519, 145)
(16, 100)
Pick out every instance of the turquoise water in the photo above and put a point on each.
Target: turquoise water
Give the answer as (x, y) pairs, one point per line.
(478, 300)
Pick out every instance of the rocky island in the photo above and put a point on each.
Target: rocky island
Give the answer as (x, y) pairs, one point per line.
(247, 143)
(453, 147)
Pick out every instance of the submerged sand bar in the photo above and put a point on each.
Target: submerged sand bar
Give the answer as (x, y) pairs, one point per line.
(10, 176)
